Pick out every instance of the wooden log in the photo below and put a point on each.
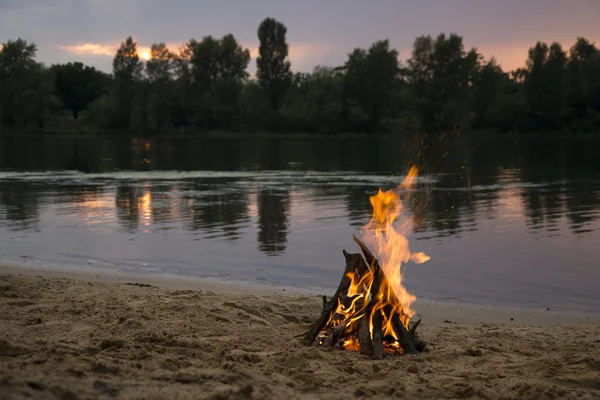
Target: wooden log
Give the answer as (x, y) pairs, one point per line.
(377, 316)
(364, 336)
(334, 334)
(347, 300)
(324, 302)
(352, 261)
(369, 257)
(405, 337)
(420, 345)
(361, 267)
(378, 349)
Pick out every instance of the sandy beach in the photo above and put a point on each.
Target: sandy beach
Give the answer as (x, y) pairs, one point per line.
(89, 334)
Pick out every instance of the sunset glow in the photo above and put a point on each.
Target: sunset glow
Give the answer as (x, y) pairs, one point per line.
(90, 49)
(144, 53)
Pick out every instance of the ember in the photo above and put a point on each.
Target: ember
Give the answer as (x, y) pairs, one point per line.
(370, 310)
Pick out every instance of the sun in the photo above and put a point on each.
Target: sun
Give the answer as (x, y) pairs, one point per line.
(144, 53)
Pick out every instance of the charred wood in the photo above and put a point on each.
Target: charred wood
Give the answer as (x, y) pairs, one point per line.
(405, 337)
(334, 334)
(378, 349)
(352, 260)
(364, 336)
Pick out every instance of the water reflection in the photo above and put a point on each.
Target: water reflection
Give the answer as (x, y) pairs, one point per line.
(219, 213)
(131, 202)
(532, 199)
(222, 209)
(273, 210)
(19, 206)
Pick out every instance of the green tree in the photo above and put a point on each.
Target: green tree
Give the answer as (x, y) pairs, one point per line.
(160, 67)
(490, 84)
(127, 72)
(78, 85)
(160, 74)
(205, 62)
(17, 69)
(545, 85)
(255, 109)
(272, 65)
(369, 82)
(583, 99)
(442, 73)
(184, 93)
(314, 102)
(218, 68)
(39, 99)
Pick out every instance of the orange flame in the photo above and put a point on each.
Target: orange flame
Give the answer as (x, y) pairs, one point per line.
(391, 251)
(391, 245)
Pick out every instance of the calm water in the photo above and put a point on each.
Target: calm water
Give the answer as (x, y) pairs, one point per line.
(510, 221)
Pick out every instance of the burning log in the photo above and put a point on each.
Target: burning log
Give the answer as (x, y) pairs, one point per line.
(378, 349)
(357, 317)
(364, 336)
(353, 262)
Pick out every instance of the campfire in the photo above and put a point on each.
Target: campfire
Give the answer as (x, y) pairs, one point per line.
(370, 310)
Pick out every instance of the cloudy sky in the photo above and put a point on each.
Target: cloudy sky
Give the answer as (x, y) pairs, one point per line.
(320, 32)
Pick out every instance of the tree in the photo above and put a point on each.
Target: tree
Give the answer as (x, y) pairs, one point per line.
(39, 99)
(442, 74)
(489, 85)
(583, 74)
(205, 62)
(160, 72)
(78, 85)
(314, 102)
(160, 67)
(369, 82)
(545, 85)
(182, 110)
(272, 66)
(17, 69)
(219, 70)
(127, 71)
(255, 109)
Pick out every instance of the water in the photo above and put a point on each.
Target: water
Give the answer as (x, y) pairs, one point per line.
(506, 221)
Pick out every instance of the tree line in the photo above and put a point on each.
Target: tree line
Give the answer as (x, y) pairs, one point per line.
(205, 86)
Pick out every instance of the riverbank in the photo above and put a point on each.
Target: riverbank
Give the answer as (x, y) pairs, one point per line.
(88, 334)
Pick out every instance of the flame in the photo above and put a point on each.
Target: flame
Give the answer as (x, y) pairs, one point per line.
(392, 251)
(390, 244)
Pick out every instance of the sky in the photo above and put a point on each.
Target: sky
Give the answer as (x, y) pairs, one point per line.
(320, 32)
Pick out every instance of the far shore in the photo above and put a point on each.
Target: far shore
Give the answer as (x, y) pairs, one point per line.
(475, 134)
(91, 334)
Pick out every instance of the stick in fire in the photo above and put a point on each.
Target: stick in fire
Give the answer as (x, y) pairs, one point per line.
(364, 313)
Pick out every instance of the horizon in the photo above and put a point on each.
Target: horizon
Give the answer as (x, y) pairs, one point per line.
(94, 29)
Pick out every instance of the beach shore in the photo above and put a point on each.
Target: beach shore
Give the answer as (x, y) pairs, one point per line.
(79, 334)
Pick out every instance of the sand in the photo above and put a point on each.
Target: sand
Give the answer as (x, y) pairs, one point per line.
(97, 335)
